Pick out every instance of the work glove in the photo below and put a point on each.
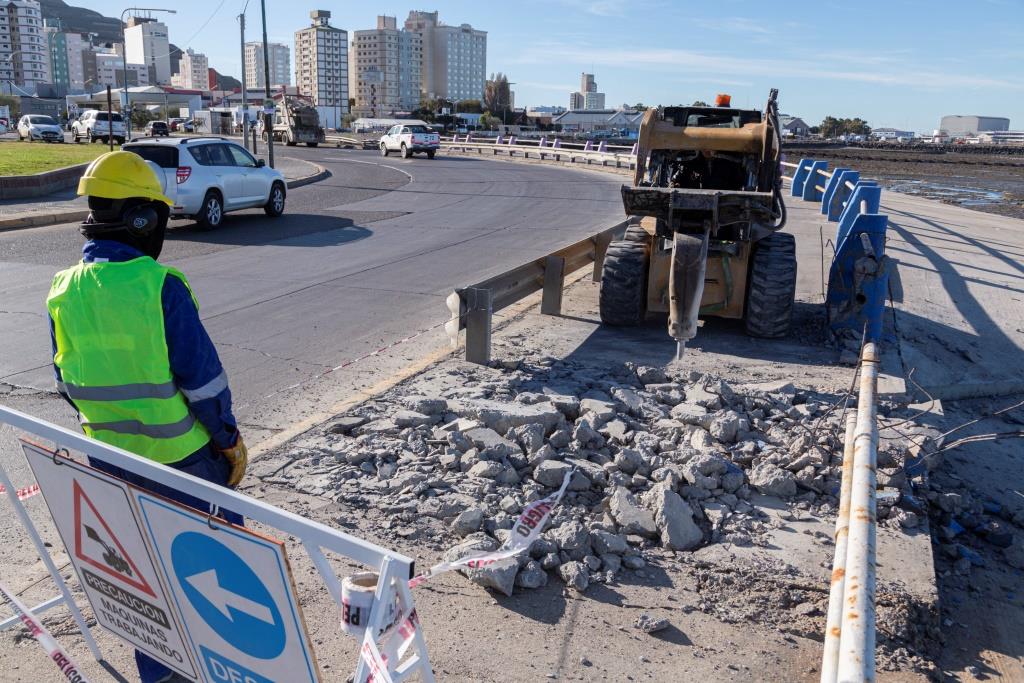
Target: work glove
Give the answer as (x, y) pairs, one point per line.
(238, 457)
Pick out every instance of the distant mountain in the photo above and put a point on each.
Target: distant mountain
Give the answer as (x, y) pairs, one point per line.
(108, 31)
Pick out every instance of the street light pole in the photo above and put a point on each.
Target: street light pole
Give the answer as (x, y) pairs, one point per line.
(268, 119)
(245, 102)
(124, 66)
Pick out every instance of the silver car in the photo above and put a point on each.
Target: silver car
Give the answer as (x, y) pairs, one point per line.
(207, 177)
(34, 127)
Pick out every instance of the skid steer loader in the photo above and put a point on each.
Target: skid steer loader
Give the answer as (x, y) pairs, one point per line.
(705, 206)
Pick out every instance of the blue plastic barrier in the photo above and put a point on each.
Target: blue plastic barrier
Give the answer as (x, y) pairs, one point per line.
(589, 146)
(814, 181)
(800, 177)
(836, 201)
(864, 191)
(858, 280)
(830, 188)
(603, 147)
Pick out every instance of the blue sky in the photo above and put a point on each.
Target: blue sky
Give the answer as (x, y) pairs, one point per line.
(901, 63)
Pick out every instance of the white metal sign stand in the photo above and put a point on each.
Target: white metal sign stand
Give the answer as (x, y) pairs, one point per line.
(401, 639)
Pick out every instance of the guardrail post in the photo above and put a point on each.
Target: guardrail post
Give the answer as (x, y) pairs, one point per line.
(543, 141)
(635, 149)
(866, 195)
(589, 147)
(800, 177)
(554, 281)
(478, 325)
(557, 143)
(813, 182)
(512, 140)
(602, 147)
(844, 188)
(830, 188)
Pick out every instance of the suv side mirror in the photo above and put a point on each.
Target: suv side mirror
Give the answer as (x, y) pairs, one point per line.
(260, 163)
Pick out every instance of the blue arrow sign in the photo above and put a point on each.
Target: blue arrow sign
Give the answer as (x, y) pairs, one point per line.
(228, 595)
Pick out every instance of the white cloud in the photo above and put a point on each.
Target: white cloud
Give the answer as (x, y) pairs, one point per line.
(734, 25)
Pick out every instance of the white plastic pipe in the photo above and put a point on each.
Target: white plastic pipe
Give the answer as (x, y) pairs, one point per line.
(857, 629)
(833, 622)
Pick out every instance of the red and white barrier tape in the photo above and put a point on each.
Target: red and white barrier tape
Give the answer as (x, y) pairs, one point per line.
(22, 493)
(53, 649)
(526, 530)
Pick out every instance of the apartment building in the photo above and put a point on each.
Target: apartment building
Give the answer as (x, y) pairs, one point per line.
(586, 98)
(321, 62)
(106, 68)
(193, 71)
(454, 57)
(56, 56)
(386, 66)
(23, 49)
(76, 44)
(146, 43)
(280, 65)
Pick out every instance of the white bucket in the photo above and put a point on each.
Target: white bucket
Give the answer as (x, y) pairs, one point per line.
(357, 593)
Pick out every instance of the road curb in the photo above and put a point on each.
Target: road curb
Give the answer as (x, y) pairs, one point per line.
(321, 174)
(75, 215)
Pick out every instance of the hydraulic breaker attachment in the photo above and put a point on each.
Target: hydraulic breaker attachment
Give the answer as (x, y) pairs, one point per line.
(686, 286)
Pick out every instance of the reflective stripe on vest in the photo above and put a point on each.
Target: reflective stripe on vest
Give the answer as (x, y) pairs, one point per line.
(112, 353)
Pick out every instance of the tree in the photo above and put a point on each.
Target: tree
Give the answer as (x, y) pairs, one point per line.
(489, 121)
(640, 106)
(497, 94)
(832, 127)
(470, 107)
(700, 103)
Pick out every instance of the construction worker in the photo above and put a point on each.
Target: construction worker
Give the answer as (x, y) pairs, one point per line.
(129, 351)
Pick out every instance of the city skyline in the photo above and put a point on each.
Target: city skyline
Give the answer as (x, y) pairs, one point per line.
(896, 71)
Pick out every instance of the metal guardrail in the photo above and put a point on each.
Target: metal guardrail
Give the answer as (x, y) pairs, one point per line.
(473, 307)
(554, 153)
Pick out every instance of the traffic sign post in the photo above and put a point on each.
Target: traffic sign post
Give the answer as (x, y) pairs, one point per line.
(235, 592)
(159, 567)
(107, 547)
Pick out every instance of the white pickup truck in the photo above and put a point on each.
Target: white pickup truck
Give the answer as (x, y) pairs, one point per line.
(410, 139)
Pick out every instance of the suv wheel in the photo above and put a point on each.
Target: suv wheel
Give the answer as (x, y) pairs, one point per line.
(275, 204)
(405, 151)
(211, 214)
(383, 150)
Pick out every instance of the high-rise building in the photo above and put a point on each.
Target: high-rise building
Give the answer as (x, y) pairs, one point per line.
(146, 43)
(23, 48)
(386, 67)
(454, 57)
(280, 65)
(193, 71)
(587, 97)
(57, 56)
(76, 45)
(106, 68)
(321, 62)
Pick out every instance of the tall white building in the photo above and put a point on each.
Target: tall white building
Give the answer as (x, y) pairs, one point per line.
(321, 62)
(386, 65)
(76, 44)
(107, 68)
(587, 97)
(193, 71)
(454, 57)
(146, 43)
(280, 65)
(24, 56)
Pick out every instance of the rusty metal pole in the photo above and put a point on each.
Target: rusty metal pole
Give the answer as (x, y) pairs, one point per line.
(830, 660)
(857, 631)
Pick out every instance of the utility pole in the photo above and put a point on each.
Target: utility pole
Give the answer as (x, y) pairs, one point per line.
(268, 119)
(245, 101)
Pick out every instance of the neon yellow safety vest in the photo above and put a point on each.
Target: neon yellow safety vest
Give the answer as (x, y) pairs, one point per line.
(108, 321)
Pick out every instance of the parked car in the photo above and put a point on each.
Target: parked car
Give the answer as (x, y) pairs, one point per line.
(207, 177)
(155, 128)
(175, 123)
(410, 139)
(34, 127)
(95, 126)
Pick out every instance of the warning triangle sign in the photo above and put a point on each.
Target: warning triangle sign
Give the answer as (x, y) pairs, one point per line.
(96, 545)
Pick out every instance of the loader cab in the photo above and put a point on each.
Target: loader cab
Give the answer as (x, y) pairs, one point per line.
(710, 117)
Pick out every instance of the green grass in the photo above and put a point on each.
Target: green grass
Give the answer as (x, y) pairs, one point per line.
(23, 158)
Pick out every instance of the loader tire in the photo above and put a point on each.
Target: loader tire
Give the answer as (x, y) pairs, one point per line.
(624, 283)
(771, 287)
(635, 233)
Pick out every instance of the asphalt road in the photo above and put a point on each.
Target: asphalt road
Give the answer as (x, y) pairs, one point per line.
(359, 261)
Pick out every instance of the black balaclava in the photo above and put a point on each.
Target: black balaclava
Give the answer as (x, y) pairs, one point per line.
(106, 222)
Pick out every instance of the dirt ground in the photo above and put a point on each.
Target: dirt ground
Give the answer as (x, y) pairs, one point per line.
(984, 183)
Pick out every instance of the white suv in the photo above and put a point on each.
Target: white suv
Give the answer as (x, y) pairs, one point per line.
(207, 177)
(409, 139)
(95, 126)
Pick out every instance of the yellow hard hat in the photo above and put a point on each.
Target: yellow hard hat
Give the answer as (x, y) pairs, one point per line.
(121, 175)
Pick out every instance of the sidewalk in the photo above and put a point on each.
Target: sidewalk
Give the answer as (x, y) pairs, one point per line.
(65, 206)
